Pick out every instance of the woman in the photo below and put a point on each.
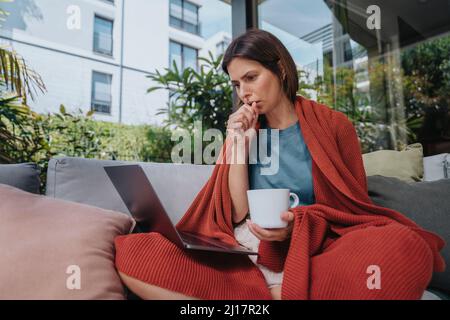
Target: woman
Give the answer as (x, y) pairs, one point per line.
(333, 237)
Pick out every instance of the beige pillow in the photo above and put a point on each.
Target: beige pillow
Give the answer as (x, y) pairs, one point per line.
(406, 165)
(55, 249)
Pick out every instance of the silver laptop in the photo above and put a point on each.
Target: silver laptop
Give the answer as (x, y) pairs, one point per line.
(144, 205)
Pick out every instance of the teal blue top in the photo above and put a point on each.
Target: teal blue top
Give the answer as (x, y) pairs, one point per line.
(295, 164)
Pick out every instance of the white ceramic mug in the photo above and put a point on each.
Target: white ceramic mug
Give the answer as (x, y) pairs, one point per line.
(266, 206)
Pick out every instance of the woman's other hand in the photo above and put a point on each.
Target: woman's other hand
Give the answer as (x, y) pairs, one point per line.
(278, 234)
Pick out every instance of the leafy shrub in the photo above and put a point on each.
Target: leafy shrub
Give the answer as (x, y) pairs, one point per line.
(37, 138)
(204, 96)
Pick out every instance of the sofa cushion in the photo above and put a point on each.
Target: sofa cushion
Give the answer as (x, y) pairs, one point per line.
(426, 203)
(55, 249)
(406, 165)
(24, 176)
(85, 181)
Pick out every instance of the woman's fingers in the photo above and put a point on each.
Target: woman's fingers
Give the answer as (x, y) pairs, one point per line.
(251, 115)
(248, 114)
(269, 235)
(238, 121)
(235, 125)
(251, 109)
(243, 119)
(287, 216)
(256, 232)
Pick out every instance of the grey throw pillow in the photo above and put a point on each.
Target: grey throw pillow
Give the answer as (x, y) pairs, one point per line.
(426, 203)
(24, 176)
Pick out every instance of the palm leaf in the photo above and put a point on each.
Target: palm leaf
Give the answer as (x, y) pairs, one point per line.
(17, 77)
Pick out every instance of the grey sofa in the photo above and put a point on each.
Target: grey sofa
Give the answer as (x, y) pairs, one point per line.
(85, 181)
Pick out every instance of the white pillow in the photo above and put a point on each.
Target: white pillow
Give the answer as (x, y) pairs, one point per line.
(433, 167)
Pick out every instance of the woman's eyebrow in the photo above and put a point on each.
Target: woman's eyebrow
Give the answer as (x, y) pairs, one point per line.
(234, 81)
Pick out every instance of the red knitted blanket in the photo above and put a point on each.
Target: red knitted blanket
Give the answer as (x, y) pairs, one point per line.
(342, 247)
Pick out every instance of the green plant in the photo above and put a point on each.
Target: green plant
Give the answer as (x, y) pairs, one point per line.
(20, 138)
(78, 135)
(72, 134)
(158, 145)
(426, 74)
(339, 92)
(205, 96)
(16, 76)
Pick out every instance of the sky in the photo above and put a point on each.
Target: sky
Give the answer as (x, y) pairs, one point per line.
(286, 19)
(298, 17)
(215, 16)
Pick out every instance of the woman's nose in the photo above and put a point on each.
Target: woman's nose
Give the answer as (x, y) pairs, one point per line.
(245, 93)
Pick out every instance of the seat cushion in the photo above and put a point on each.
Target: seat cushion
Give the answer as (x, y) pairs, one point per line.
(85, 181)
(406, 165)
(55, 249)
(426, 203)
(24, 176)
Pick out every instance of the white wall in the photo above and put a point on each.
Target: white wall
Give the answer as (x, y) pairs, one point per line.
(146, 47)
(44, 23)
(68, 80)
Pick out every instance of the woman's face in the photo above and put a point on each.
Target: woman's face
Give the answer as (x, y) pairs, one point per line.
(255, 83)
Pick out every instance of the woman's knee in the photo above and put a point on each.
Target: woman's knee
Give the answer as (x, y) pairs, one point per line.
(148, 291)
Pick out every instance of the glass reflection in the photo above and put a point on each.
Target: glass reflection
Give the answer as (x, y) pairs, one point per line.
(392, 82)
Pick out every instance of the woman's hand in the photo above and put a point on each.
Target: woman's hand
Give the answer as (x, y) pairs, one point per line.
(243, 119)
(279, 234)
(241, 125)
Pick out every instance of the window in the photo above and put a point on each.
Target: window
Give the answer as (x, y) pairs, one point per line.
(101, 92)
(189, 58)
(184, 15)
(222, 46)
(184, 56)
(103, 36)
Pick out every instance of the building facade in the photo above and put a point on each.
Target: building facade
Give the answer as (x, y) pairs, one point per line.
(96, 54)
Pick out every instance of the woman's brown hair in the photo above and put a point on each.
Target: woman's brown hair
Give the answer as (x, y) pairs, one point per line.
(264, 47)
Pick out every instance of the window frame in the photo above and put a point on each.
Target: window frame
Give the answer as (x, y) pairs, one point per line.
(182, 67)
(94, 49)
(93, 92)
(183, 22)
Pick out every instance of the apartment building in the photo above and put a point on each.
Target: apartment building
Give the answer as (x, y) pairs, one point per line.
(96, 54)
